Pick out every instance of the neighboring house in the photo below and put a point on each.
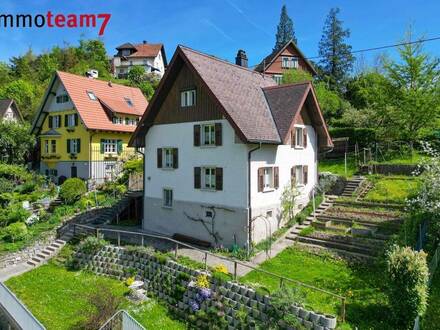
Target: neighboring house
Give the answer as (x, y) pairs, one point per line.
(222, 142)
(287, 57)
(83, 126)
(9, 111)
(150, 56)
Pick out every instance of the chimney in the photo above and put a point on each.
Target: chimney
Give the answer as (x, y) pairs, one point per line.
(241, 58)
(144, 42)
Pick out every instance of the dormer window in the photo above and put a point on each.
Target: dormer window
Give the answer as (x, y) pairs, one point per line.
(117, 120)
(289, 62)
(188, 98)
(92, 95)
(130, 104)
(64, 98)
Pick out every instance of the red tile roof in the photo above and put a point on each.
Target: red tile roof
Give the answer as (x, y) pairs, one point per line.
(92, 112)
(146, 50)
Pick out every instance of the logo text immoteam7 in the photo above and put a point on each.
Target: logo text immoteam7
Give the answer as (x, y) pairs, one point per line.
(55, 21)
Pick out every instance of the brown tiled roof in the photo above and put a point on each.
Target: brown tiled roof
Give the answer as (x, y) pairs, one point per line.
(146, 50)
(257, 108)
(92, 112)
(267, 61)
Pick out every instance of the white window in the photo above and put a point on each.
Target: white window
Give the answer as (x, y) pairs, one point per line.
(91, 95)
(46, 146)
(71, 120)
(289, 62)
(208, 177)
(168, 157)
(188, 98)
(299, 136)
(56, 121)
(110, 146)
(208, 135)
(117, 120)
(294, 62)
(167, 197)
(278, 78)
(299, 175)
(285, 62)
(64, 98)
(74, 146)
(268, 178)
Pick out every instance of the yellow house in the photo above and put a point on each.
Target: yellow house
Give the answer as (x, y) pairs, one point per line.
(84, 125)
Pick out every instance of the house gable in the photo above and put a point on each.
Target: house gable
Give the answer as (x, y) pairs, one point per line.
(171, 111)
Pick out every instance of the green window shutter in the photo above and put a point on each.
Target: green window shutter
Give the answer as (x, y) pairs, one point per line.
(102, 146)
(66, 120)
(78, 143)
(76, 119)
(119, 148)
(50, 121)
(68, 146)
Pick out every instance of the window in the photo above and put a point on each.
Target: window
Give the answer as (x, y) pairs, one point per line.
(299, 175)
(209, 214)
(208, 178)
(71, 120)
(51, 172)
(125, 52)
(54, 121)
(208, 135)
(268, 178)
(167, 197)
(289, 62)
(130, 121)
(53, 146)
(168, 157)
(64, 98)
(74, 146)
(129, 102)
(110, 146)
(299, 134)
(278, 78)
(46, 146)
(117, 120)
(269, 214)
(268, 175)
(188, 98)
(92, 95)
(109, 171)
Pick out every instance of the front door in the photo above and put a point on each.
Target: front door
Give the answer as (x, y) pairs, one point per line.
(73, 172)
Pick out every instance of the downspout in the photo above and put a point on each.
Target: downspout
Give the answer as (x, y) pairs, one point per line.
(90, 154)
(249, 198)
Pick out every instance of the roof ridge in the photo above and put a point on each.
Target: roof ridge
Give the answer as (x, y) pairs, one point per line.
(98, 80)
(288, 85)
(223, 61)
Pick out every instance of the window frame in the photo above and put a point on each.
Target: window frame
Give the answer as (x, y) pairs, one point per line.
(53, 146)
(117, 120)
(212, 178)
(270, 176)
(211, 135)
(46, 146)
(62, 98)
(278, 78)
(168, 158)
(299, 140)
(299, 169)
(56, 121)
(71, 120)
(110, 144)
(73, 146)
(185, 98)
(91, 95)
(167, 198)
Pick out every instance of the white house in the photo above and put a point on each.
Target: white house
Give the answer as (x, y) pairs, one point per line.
(150, 56)
(222, 142)
(9, 111)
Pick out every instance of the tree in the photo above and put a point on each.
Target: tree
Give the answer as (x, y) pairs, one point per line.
(15, 142)
(285, 31)
(136, 74)
(416, 90)
(25, 93)
(408, 273)
(337, 60)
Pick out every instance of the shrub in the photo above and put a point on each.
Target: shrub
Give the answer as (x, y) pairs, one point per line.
(306, 231)
(408, 274)
(114, 188)
(92, 244)
(15, 232)
(202, 281)
(282, 301)
(221, 269)
(72, 189)
(6, 186)
(26, 188)
(13, 213)
(221, 276)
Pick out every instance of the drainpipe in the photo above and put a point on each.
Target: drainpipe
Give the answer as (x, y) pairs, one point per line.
(90, 154)
(249, 198)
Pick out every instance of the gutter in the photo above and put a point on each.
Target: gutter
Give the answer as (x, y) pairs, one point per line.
(249, 196)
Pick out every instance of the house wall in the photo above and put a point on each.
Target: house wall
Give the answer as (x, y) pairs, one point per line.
(230, 203)
(11, 114)
(123, 66)
(283, 156)
(276, 66)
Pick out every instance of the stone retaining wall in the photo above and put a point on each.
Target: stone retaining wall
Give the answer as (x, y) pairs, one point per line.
(120, 263)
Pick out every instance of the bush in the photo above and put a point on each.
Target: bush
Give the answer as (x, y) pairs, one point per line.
(13, 213)
(363, 136)
(92, 244)
(6, 186)
(72, 189)
(408, 274)
(15, 232)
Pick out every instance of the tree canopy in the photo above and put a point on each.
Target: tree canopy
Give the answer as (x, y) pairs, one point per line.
(285, 31)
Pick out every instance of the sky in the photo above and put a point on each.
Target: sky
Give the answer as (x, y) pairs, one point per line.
(221, 27)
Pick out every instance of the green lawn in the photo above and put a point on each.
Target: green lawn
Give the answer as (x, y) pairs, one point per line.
(57, 298)
(337, 166)
(406, 159)
(393, 189)
(361, 284)
(431, 320)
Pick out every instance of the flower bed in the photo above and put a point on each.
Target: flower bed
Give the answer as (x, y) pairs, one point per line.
(204, 300)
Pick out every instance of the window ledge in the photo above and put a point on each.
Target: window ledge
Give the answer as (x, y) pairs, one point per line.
(167, 207)
(208, 146)
(208, 189)
(268, 190)
(168, 168)
(298, 147)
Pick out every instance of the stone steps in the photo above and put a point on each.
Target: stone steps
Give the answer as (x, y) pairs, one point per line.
(344, 253)
(47, 253)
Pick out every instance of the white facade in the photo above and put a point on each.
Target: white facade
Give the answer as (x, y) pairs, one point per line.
(122, 67)
(231, 204)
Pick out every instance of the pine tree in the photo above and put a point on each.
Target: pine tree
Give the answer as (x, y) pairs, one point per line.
(285, 30)
(337, 60)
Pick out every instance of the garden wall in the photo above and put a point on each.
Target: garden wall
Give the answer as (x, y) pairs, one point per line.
(236, 306)
(388, 169)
